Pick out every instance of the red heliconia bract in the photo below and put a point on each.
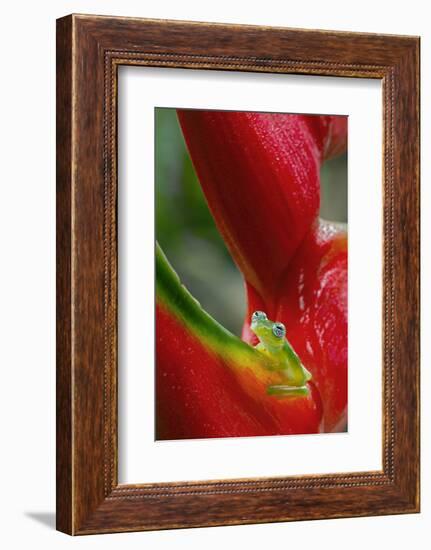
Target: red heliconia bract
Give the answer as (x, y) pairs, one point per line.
(261, 176)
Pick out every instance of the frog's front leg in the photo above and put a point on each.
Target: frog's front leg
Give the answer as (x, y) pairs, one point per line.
(288, 391)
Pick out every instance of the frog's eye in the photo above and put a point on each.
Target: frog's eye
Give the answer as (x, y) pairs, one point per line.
(259, 316)
(279, 330)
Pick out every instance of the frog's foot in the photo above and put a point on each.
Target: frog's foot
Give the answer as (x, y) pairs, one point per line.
(288, 391)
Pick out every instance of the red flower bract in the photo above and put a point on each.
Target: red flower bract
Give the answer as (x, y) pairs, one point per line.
(260, 175)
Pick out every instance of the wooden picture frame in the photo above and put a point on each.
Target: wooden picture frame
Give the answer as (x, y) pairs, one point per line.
(89, 52)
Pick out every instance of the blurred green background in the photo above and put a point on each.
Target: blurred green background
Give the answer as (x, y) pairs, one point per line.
(187, 233)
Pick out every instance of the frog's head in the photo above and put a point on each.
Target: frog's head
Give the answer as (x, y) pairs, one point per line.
(270, 334)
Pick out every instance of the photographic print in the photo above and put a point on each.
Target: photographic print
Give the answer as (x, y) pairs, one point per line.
(209, 310)
(251, 274)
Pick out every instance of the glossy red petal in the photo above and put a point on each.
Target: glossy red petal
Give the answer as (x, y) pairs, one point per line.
(260, 174)
(312, 302)
(196, 396)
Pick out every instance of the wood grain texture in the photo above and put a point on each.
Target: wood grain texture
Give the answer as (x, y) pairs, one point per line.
(90, 49)
(64, 496)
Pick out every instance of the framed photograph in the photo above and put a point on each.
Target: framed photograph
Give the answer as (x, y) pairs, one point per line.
(237, 274)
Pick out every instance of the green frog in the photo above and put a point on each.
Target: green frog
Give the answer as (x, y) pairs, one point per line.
(273, 343)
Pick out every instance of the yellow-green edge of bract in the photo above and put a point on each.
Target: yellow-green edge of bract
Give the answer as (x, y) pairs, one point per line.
(174, 296)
